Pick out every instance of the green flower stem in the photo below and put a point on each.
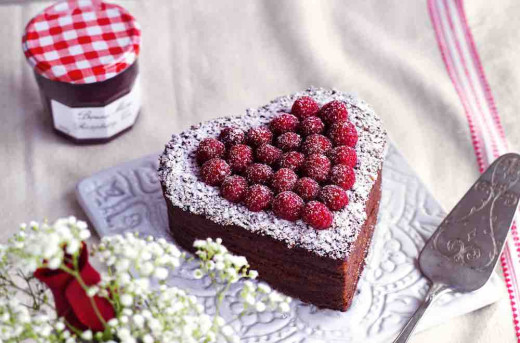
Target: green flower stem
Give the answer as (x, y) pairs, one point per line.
(220, 298)
(78, 277)
(72, 328)
(113, 296)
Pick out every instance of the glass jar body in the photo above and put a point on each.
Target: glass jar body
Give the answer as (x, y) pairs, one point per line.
(93, 112)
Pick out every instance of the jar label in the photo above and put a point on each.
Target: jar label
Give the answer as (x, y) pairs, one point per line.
(98, 122)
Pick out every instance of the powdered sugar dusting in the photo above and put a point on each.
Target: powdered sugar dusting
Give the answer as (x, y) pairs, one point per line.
(179, 174)
(232, 135)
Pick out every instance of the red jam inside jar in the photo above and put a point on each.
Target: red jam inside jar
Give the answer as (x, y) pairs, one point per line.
(85, 58)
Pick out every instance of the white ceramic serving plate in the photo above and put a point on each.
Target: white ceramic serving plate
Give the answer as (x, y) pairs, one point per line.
(129, 198)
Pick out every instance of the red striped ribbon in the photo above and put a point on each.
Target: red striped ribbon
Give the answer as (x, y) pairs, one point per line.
(463, 64)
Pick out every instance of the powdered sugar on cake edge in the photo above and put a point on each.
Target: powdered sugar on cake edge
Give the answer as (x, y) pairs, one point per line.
(179, 175)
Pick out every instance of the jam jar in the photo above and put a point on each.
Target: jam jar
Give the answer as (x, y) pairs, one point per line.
(85, 59)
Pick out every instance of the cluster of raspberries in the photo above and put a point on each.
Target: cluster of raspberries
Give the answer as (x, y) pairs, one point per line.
(300, 166)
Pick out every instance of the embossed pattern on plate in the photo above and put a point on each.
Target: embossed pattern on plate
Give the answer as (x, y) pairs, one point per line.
(129, 198)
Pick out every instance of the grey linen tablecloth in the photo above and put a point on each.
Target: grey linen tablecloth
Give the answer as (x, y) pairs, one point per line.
(204, 59)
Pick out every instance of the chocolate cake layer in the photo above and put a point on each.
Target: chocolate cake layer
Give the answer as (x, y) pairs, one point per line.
(318, 266)
(322, 281)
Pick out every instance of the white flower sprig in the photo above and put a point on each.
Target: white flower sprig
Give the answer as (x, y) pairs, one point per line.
(221, 266)
(133, 281)
(171, 315)
(225, 269)
(148, 257)
(260, 297)
(18, 324)
(42, 245)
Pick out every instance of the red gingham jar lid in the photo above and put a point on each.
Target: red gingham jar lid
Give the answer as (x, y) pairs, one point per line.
(82, 41)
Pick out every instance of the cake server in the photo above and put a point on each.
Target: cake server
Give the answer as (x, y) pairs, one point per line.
(464, 250)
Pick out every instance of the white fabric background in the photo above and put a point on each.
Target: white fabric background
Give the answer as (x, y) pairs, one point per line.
(204, 59)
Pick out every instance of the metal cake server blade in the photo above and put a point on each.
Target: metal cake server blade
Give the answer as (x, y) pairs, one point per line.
(464, 250)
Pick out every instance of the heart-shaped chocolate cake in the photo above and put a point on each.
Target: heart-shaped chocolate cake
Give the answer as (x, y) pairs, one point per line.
(294, 186)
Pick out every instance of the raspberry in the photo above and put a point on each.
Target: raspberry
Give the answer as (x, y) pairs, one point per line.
(284, 123)
(333, 112)
(284, 180)
(209, 148)
(343, 176)
(334, 197)
(317, 215)
(311, 126)
(214, 171)
(258, 136)
(259, 173)
(234, 188)
(292, 160)
(305, 107)
(317, 167)
(239, 157)
(231, 136)
(344, 155)
(258, 198)
(316, 144)
(288, 206)
(289, 141)
(307, 188)
(268, 154)
(343, 133)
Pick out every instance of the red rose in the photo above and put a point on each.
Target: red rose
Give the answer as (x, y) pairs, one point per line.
(72, 302)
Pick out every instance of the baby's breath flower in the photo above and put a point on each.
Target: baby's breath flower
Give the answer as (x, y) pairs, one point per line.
(284, 307)
(249, 299)
(146, 269)
(161, 273)
(59, 326)
(260, 297)
(73, 246)
(113, 322)
(92, 291)
(44, 244)
(126, 300)
(122, 265)
(198, 274)
(138, 321)
(54, 263)
(148, 309)
(17, 324)
(260, 307)
(227, 331)
(264, 288)
(215, 257)
(144, 257)
(87, 335)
